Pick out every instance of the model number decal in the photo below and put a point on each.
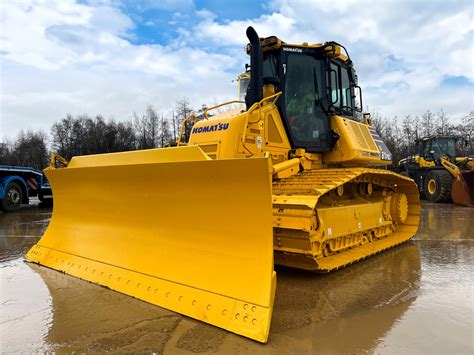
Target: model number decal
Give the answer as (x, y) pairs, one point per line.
(213, 128)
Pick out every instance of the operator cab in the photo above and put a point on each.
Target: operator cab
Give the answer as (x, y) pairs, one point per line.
(316, 81)
(433, 148)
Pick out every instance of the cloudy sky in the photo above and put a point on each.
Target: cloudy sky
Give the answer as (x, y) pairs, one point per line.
(115, 57)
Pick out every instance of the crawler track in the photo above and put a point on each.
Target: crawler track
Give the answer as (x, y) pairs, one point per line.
(327, 219)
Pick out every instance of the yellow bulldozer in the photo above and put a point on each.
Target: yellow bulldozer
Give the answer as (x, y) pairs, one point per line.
(290, 179)
(440, 173)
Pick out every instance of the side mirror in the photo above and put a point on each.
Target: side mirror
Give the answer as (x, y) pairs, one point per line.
(358, 106)
(353, 75)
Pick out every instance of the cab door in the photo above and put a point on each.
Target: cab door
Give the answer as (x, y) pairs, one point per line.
(303, 100)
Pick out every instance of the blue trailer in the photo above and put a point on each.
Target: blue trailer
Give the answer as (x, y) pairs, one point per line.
(18, 184)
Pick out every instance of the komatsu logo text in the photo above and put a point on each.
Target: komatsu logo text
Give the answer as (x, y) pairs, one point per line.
(290, 49)
(213, 128)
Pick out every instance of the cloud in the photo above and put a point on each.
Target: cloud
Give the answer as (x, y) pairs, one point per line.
(63, 56)
(167, 5)
(232, 33)
(403, 50)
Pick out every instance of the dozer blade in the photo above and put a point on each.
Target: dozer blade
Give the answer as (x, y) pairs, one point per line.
(462, 191)
(170, 227)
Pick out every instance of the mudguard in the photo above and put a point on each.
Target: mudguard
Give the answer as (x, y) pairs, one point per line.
(171, 227)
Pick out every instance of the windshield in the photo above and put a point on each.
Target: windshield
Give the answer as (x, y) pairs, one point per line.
(303, 92)
(444, 146)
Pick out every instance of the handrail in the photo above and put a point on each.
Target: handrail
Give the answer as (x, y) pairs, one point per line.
(183, 125)
(220, 105)
(252, 108)
(260, 103)
(56, 158)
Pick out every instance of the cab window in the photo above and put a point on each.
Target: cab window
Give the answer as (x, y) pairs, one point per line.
(426, 150)
(303, 90)
(341, 96)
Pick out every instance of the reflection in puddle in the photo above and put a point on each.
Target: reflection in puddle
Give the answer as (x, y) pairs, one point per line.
(440, 221)
(413, 298)
(315, 308)
(352, 308)
(20, 230)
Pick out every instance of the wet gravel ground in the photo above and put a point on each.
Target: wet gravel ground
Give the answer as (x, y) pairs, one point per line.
(416, 298)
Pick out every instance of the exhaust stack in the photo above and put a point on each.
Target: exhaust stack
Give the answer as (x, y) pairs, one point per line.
(255, 88)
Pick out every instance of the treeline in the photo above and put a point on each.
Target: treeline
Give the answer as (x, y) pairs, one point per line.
(83, 135)
(400, 135)
(28, 149)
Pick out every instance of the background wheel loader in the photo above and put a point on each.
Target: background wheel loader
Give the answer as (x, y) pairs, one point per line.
(289, 179)
(441, 175)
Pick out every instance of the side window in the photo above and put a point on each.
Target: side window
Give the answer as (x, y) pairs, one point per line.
(345, 88)
(334, 79)
(437, 148)
(340, 87)
(451, 147)
(426, 150)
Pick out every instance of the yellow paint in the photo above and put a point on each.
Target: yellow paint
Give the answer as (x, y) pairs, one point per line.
(453, 169)
(334, 51)
(468, 162)
(432, 186)
(57, 161)
(194, 228)
(308, 233)
(424, 163)
(268, 90)
(355, 147)
(199, 232)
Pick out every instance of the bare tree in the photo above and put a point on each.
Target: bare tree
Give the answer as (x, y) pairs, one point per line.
(390, 131)
(6, 153)
(400, 139)
(147, 129)
(428, 123)
(443, 125)
(29, 149)
(166, 137)
(83, 135)
(466, 130)
(153, 125)
(183, 110)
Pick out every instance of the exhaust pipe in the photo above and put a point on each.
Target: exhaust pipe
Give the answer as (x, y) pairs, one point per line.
(255, 88)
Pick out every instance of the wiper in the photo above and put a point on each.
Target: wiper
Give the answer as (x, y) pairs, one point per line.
(315, 82)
